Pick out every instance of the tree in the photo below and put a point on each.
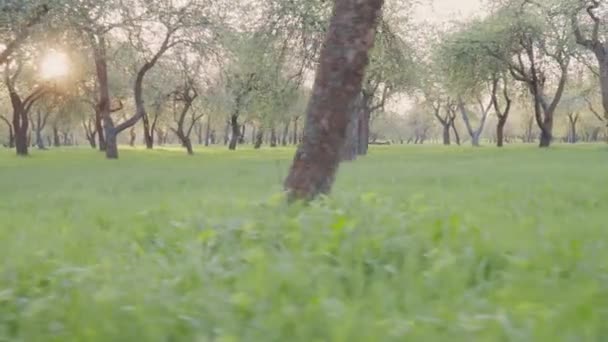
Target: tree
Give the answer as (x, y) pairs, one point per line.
(533, 40)
(20, 29)
(21, 105)
(592, 34)
(186, 94)
(502, 112)
(339, 78)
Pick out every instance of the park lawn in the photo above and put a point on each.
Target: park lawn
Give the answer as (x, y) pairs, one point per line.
(416, 243)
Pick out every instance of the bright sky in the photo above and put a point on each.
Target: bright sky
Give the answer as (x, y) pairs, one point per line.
(446, 10)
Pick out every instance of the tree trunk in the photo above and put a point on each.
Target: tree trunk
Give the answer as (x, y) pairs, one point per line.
(148, 134)
(111, 143)
(285, 135)
(242, 134)
(199, 133)
(208, 131)
(259, 139)
(236, 132)
(188, 146)
(446, 134)
(273, 137)
(352, 145)
(546, 135)
(133, 137)
(363, 128)
(295, 130)
(227, 133)
(99, 128)
(500, 132)
(338, 81)
(602, 57)
(456, 134)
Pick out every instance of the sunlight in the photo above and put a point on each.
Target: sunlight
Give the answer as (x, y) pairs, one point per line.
(54, 65)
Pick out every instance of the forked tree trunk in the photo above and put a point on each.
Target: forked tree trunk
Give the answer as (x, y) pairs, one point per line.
(343, 60)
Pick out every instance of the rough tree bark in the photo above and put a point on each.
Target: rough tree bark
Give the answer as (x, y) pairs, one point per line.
(338, 81)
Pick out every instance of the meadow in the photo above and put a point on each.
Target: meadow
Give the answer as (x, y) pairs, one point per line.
(415, 244)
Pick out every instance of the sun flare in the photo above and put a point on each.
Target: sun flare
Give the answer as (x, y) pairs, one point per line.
(54, 65)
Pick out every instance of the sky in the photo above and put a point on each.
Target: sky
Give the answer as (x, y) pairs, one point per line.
(446, 10)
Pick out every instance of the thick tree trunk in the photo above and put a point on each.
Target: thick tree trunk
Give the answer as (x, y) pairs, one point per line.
(111, 143)
(259, 138)
(475, 140)
(236, 132)
(546, 135)
(500, 132)
(343, 60)
(446, 134)
(602, 57)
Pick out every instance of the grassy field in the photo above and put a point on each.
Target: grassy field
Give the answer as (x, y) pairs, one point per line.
(416, 244)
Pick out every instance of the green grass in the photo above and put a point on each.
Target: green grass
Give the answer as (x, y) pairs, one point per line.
(415, 244)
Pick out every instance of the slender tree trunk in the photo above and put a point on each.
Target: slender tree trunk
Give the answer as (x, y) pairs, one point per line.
(242, 134)
(363, 127)
(132, 136)
(339, 77)
(285, 134)
(199, 133)
(208, 131)
(456, 134)
(236, 132)
(295, 130)
(99, 129)
(148, 135)
(273, 137)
